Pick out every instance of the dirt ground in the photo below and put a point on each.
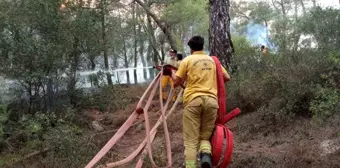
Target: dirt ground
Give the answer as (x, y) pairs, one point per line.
(297, 145)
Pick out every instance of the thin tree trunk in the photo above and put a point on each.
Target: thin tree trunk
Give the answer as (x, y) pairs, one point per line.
(92, 60)
(149, 60)
(134, 13)
(126, 62)
(219, 39)
(296, 34)
(283, 9)
(141, 51)
(314, 3)
(303, 7)
(74, 65)
(153, 40)
(115, 58)
(49, 94)
(163, 50)
(106, 60)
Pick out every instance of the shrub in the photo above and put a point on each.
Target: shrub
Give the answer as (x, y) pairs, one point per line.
(108, 98)
(325, 104)
(277, 83)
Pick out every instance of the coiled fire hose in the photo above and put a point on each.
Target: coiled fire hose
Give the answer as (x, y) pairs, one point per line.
(221, 133)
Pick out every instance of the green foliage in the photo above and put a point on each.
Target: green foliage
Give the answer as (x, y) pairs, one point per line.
(325, 104)
(322, 23)
(66, 139)
(242, 47)
(107, 98)
(278, 84)
(261, 12)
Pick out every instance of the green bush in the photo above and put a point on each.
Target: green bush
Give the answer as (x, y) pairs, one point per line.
(108, 98)
(325, 104)
(275, 83)
(67, 141)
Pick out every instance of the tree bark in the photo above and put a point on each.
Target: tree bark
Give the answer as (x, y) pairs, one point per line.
(141, 51)
(126, 62)
(149, 60)
(74, 65)
(161, 24)
(50, 94)
(283, 8)
(153, 40)
(136, 42)
(106, 59)
(92, 60)
(303, 7)
(219, 36)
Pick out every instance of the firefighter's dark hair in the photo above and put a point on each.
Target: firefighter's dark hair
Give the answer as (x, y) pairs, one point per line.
(196, 43)
(179, 56)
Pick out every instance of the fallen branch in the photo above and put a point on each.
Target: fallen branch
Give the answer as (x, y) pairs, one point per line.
(36, 153)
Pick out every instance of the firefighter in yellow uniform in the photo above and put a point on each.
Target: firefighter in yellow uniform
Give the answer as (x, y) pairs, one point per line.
(172, 60)
(200, 101)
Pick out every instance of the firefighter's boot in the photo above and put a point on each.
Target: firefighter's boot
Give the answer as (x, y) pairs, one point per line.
(206, 160)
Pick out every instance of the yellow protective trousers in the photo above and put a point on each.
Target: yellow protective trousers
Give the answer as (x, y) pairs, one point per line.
(165, 81)
(198, 123)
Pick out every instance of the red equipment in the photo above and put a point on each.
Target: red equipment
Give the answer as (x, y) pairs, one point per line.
(221, 132)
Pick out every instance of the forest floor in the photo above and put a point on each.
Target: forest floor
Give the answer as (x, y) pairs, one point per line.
(258, 142)
(301, 144)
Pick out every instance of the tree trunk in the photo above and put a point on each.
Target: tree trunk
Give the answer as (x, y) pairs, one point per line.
(283, 9)
(296, 34)
(115, 58)
(314, 3)
(153, 41)
(106, 59)
(49, 94)
(303, 7)
(92, 60)
(141, 51)
(149, 60)
(163, 51)
(219, 39)
(284, 13)
(126, 62)
(136, 42)
(74, 65)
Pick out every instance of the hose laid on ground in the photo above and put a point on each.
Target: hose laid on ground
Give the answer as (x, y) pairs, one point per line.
(150, 134)
(220, 134)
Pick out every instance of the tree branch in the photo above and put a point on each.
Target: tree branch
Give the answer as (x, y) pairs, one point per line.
(161, 24)
(31, 155)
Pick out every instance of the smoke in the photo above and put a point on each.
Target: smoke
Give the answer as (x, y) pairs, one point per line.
(259, 34)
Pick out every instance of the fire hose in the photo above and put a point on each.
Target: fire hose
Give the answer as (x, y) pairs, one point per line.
(221, 133)
(217, 139)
